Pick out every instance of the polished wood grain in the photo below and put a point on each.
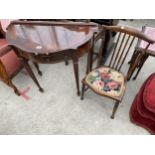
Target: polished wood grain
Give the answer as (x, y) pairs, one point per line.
(51, 42)
(47, 39)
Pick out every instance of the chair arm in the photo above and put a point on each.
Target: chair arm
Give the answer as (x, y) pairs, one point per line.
(5, 49)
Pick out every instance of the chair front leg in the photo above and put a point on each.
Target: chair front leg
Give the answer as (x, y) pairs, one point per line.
(140, 66)
(115, 109)
(14, 88)
(134, 56)
(83, 90)
(133, 66)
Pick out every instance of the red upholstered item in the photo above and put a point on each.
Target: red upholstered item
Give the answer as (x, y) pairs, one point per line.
(143, 111)
(140, 120)
(139, 112)
(3, 42)
(149, 94)
(9, 60)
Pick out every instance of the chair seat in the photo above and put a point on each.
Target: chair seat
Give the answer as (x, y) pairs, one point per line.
(106, 81)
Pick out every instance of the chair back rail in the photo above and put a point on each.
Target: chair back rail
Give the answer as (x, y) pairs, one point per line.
(124, 42)
(130, 31)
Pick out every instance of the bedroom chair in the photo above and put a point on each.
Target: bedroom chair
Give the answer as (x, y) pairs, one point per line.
(108, 80)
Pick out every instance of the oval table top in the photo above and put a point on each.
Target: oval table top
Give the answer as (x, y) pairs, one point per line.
(46, 39)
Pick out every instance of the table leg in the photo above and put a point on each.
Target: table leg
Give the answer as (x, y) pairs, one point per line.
(89, 62)
(76, 73)
(29, 70)
(90, 58)
(66, 62)
(37, 67)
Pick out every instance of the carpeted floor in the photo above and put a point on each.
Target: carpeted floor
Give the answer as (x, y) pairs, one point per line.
(59, 110)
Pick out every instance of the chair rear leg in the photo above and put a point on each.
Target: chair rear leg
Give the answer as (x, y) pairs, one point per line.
(83, 91)
(14, 88)
(133, 66)
(135, 53)
(66, 62)
(115, 109)
(140, 67)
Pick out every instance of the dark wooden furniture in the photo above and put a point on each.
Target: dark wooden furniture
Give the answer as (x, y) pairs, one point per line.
(149, 31)
(10, 64)
(109, 42)
(108, 80)
(51, 42)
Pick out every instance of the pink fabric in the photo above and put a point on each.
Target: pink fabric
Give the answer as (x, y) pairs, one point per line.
(149, 31)
(10, 60)
(23, 93)
(3, 42)
(5, 23)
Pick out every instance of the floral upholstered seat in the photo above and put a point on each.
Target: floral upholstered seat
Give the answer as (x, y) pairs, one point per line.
(106, 81)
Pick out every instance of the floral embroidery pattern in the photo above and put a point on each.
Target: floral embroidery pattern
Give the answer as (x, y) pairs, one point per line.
(106, 80)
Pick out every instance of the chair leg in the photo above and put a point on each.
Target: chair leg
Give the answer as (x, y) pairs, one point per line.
(115, 109)
(140, 67)
(135, 53)
(133, 66)
(66, 62)
(14, 88)
(82, 91)
(37, 67)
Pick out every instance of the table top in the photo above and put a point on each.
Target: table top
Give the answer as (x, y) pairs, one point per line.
(46, 39)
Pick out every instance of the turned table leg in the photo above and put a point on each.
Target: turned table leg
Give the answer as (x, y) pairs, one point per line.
(29, 70)
(37, 67)
(76, 74)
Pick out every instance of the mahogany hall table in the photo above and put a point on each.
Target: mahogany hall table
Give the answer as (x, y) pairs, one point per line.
(51, 42)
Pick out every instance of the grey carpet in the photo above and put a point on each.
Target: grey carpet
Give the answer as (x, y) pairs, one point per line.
(59, 110)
